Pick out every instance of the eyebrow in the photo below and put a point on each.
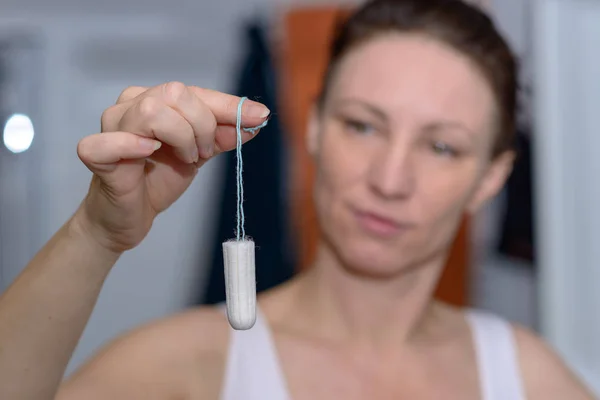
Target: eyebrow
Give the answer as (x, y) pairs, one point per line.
(371, 108)
(446, 124)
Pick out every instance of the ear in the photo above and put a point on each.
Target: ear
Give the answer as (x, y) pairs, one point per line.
(493, 181)
(312, 134)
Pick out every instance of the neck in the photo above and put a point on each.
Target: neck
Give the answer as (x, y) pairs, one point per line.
(369, 312)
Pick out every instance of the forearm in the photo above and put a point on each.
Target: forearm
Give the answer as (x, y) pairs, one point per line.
(43, 313)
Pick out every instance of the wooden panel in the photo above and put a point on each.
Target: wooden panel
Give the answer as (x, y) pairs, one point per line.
(308, 33)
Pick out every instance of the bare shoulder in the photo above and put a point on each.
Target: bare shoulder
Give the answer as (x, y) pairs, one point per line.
(182, 356)
(545, 375)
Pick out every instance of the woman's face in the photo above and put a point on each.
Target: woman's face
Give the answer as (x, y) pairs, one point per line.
(402, 148)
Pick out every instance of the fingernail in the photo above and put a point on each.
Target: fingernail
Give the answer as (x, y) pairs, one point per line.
(194, 154)
(256, 110)
(208, 151)
(150, 144)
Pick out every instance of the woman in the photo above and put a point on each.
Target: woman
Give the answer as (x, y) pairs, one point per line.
(413, 129)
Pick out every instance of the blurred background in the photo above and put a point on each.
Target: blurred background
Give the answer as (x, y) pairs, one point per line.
(531, 256)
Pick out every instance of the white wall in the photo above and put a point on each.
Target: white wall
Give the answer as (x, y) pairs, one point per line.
(567, 76)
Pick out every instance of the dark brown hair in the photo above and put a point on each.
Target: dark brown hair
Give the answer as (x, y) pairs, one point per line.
(455, 23)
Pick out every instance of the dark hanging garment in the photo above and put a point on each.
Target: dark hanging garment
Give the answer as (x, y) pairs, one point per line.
(517, 235)
(264, 177)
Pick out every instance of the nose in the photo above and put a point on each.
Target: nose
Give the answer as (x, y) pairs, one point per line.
(392, 173)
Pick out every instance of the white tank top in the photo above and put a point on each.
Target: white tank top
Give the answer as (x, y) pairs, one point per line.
(253, 371)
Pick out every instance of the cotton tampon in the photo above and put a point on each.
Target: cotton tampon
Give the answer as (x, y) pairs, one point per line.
(240, 283)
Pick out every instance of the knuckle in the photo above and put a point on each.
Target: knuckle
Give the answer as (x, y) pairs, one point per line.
(149, 107)
(129, 93)
(174, 91)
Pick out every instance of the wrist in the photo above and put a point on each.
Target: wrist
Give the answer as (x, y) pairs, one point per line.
(82, 230)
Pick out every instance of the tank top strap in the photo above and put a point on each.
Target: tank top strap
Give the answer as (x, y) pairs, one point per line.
(253, 371)
(497, 357)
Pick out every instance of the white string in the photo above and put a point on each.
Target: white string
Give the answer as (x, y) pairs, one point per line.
(241, 232)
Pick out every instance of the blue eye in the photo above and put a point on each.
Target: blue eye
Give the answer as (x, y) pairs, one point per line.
(358, 127)
(443, 149)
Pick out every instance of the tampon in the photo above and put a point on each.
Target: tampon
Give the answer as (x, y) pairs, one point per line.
(240, 283)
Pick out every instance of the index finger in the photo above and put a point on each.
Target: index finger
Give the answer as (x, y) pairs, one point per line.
(225, 107)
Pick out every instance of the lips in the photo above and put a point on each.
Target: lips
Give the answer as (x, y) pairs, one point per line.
(380, 225)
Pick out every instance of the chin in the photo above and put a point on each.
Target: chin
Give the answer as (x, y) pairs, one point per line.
(371, 259)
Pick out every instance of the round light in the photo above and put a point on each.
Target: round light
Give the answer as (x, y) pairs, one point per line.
(18, 133)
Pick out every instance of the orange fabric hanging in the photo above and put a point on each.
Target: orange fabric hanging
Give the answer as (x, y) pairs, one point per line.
(307, 33)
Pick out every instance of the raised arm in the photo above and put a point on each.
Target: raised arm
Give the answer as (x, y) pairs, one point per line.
(153, 140)
(44, 312)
